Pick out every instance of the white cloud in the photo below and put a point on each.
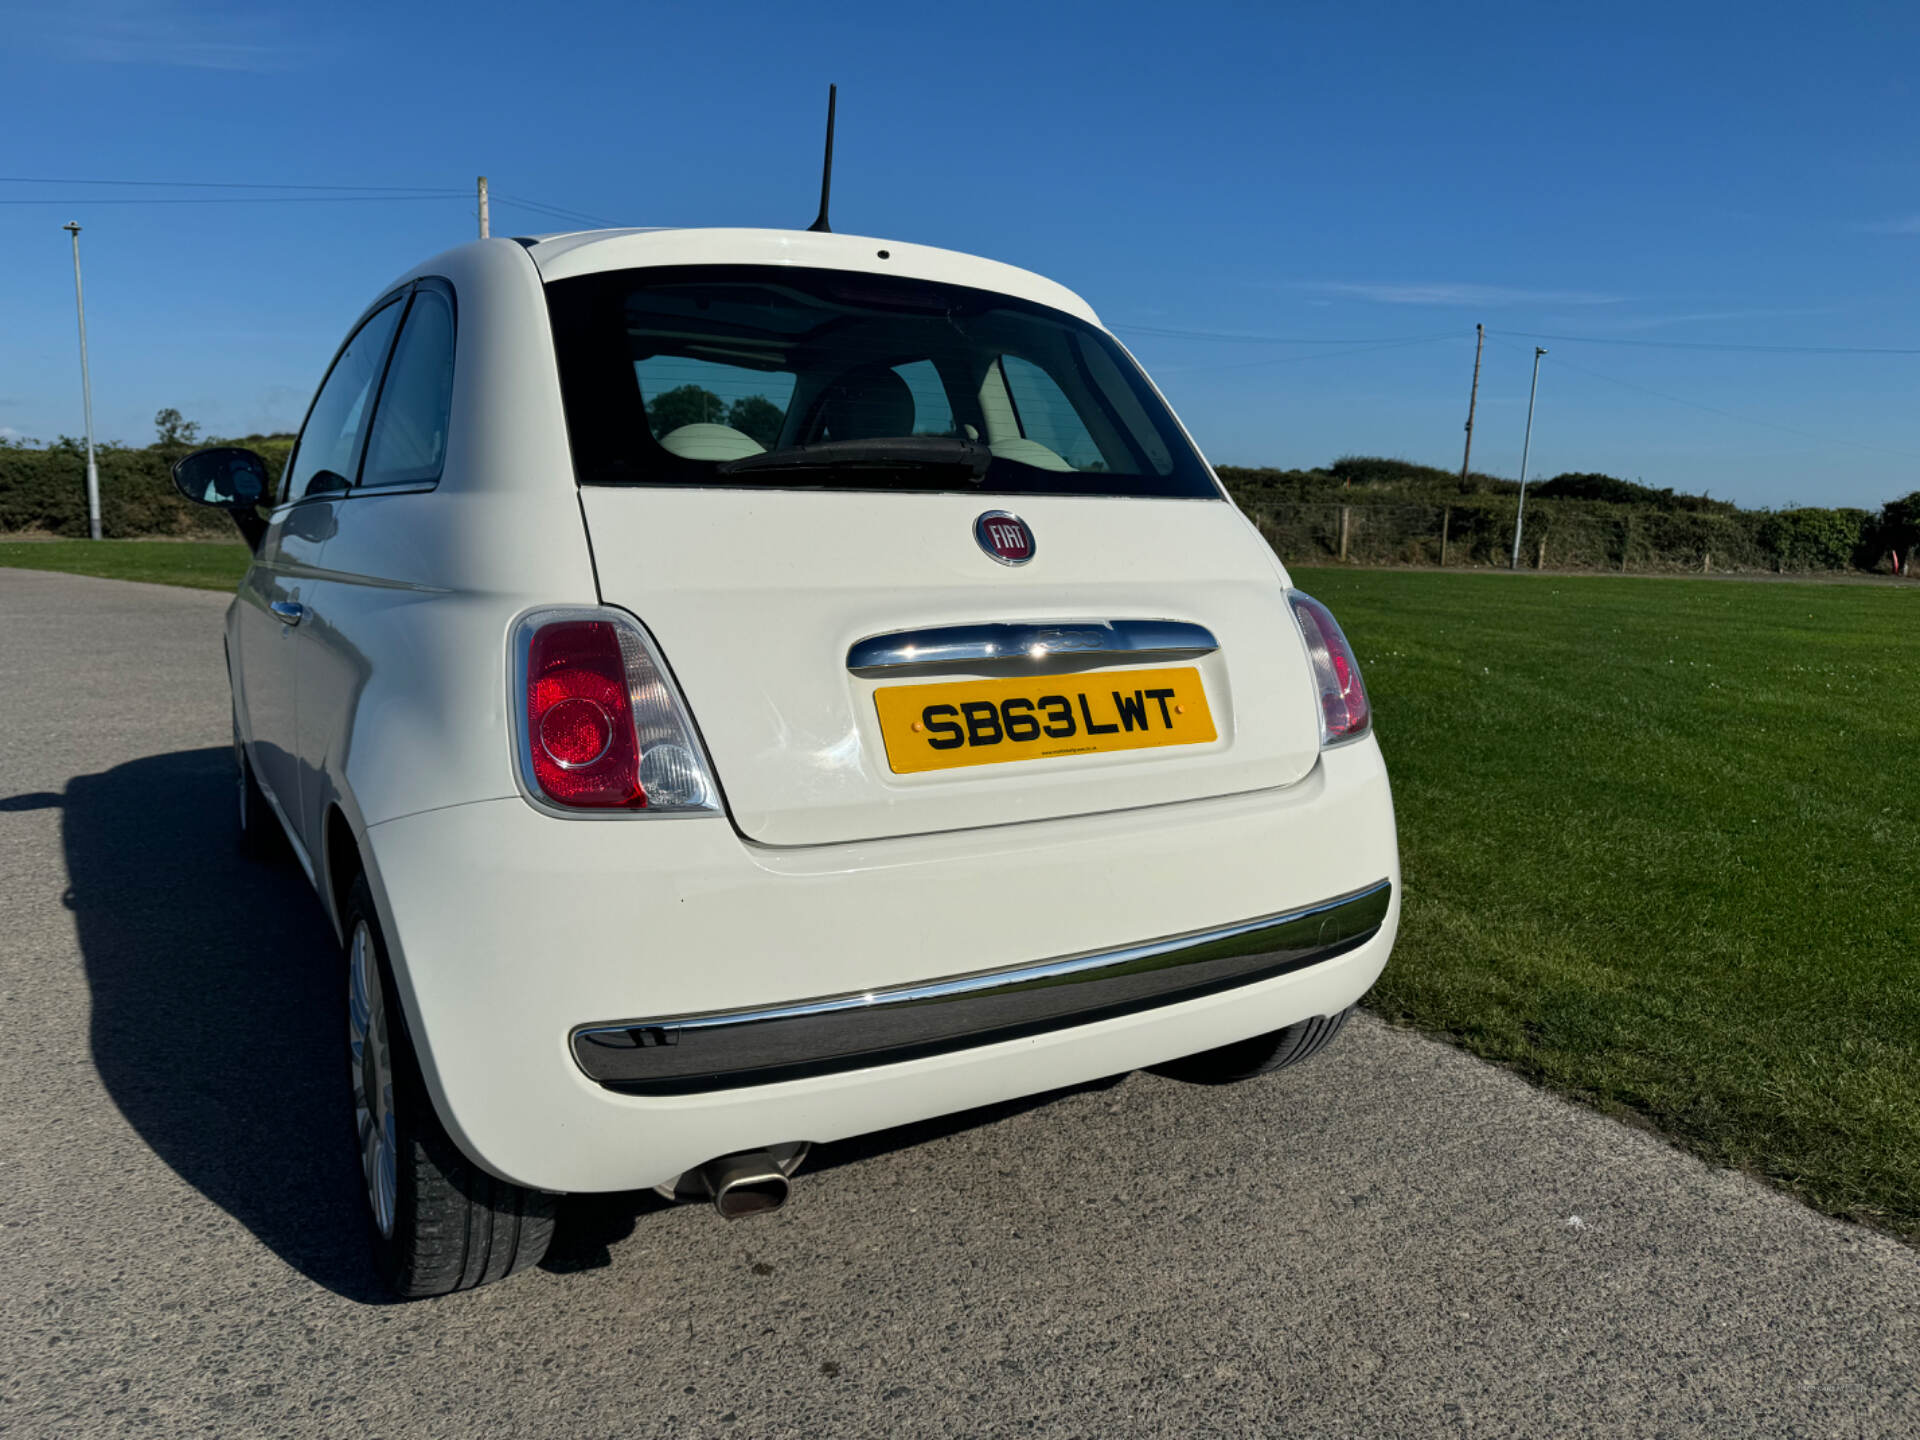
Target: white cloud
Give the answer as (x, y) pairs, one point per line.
(176, 35)
(1655, 322)
(1441, 293)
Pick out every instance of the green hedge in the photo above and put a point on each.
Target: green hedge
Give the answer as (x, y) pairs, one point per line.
(1395, 512)
(1479, 531)
(44, 491)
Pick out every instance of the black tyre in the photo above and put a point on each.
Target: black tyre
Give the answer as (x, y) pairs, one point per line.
(438, 1222)
(259, 833)
(1260, 1055)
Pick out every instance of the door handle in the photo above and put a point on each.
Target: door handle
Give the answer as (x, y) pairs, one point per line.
(291, 612)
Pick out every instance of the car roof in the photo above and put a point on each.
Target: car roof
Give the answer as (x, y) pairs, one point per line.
(587, 252)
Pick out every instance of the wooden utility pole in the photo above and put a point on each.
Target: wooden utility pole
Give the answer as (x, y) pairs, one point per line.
(484, 227)
(1526, 449)
(1473, 397)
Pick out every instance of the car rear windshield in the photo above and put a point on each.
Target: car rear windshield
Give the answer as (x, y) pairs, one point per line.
(783, 377)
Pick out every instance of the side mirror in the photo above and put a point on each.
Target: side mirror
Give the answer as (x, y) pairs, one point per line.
(230, 479)
(226, 477)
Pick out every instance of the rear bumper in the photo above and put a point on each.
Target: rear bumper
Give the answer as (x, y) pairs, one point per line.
(514, 934)
(691, 1054)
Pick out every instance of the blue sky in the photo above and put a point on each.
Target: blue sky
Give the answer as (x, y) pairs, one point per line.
(1686, 175)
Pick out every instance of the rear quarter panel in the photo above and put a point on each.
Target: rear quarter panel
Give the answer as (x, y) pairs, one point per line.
(408, 685)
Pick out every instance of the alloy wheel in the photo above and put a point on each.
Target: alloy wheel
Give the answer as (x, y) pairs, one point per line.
(372, 1077)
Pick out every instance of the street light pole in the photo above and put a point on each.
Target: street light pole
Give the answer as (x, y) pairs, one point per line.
(86, 389)
(1526, 446)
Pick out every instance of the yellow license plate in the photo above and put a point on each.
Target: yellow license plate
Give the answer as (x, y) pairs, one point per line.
(986, 722)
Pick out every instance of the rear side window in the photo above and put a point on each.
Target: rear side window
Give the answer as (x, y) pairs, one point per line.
(1046, 416)
(329, 446)
(678, 391)
(786, 377)
(408, 443)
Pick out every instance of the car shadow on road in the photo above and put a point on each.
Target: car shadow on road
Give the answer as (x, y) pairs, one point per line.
(591, 1224)
(219, 1030)
(217, 1024)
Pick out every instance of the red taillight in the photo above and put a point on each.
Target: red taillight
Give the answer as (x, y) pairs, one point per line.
(580, 717)
(1344, 711)
(600, 725)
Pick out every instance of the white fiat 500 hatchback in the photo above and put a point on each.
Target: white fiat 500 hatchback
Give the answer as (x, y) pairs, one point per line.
(737, 689)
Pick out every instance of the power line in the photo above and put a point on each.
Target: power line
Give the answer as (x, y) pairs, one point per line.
(1705, 345)
(212, 184)
(1168, 333)
(1731, 414)
(559, 212)
(346, 193)
(1315, 355)
(243, 199)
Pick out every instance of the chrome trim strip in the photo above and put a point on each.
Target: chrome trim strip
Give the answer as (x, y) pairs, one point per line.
(689, 1054)
(973, 647)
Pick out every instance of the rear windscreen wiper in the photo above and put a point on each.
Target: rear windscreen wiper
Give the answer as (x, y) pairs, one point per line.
(914, 452)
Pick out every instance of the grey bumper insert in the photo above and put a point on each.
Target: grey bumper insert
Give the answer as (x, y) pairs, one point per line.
(688, 1054)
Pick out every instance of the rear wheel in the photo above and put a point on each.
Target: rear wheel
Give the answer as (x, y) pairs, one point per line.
(439, 1223)
(1260, 1055)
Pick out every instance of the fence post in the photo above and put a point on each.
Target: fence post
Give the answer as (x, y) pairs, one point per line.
(1626, 540)
(1446, 523)
(1706, 562)
(1540, 562)
(1346, 526)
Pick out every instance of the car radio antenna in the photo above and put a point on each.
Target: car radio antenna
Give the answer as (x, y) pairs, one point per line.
(826, 169)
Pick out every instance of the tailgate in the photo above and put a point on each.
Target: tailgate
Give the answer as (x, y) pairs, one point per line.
(759, 598)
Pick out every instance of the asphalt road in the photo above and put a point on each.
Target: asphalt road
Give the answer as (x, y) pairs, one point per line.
(1394, 1240)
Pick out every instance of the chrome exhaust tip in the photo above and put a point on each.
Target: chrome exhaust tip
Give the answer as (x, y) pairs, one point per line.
(750, 1183)
(747, 1182)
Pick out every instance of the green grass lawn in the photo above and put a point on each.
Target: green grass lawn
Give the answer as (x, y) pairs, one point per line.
(1659, 842)
(1660, 853)
(202, 564)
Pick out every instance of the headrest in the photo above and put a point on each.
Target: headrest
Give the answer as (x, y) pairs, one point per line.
(871, 403)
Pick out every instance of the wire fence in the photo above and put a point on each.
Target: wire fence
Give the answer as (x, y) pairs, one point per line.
(1559, 535)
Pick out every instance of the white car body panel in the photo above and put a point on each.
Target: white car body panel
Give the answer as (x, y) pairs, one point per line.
(404, 690)
(517, 927)
(756, 595)
(564, 256)
(508, 927)
(272, 655)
